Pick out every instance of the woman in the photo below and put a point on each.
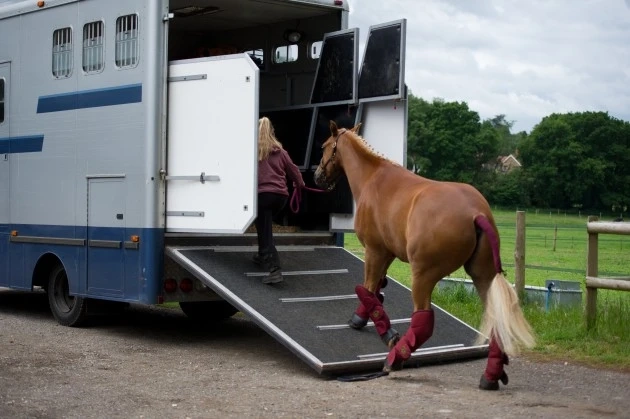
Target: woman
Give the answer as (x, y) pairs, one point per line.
(274, 166)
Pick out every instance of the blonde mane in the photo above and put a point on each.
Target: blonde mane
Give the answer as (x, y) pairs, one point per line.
(368, 149)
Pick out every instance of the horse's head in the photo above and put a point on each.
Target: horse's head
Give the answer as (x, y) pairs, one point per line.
(330, 166)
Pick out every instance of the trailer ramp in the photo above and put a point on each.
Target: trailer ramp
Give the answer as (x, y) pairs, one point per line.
(309, 310)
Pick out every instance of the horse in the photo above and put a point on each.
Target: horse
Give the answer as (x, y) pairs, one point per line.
(434, 226)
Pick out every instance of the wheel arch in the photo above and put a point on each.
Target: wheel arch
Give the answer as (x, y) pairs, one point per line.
(44, 266)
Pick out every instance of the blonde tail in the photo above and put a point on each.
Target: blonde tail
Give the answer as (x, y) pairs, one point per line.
(503, 318)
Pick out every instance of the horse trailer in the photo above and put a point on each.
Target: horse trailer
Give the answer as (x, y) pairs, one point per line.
(128, 155)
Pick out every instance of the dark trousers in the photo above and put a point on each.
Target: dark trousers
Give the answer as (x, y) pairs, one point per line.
(269, 205)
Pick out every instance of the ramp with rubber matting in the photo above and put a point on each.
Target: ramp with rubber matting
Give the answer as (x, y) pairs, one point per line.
(309, 310)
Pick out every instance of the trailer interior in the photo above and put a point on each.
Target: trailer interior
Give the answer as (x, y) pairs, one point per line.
(284, 39)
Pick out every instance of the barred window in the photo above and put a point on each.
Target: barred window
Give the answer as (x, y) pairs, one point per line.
(62, 53)
(1, 101)
(127, 53)
(93, 51)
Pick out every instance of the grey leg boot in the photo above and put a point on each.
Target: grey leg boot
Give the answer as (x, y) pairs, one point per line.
(275, 273)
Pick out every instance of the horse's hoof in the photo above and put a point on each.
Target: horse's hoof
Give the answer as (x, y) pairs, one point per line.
(390, 338)
(357, 322)
(486, 384)
(396, 366)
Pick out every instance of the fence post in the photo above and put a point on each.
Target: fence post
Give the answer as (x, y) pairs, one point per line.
(519, 254)
(591, 270)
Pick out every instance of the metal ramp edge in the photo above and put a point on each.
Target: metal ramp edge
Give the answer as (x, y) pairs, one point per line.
(237, 280)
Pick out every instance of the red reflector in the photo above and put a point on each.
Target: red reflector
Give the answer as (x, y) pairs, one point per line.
(170, 285)
(186, 285)
(160, 299)
(338, 2)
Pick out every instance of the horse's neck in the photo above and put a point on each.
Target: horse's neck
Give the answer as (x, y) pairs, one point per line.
(359, 165)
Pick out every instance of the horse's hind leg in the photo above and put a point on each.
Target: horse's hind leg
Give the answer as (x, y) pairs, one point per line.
(370, 298)
(482, 270)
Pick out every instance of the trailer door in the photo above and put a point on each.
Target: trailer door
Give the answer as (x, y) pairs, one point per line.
(212, 164)
(5, 141)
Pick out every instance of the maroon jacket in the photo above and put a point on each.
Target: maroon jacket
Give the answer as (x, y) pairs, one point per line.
(273, 171)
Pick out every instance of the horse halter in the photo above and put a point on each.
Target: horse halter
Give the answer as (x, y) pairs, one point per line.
(330, 185)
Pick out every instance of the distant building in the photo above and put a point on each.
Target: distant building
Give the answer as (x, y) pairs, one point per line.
(506, 164)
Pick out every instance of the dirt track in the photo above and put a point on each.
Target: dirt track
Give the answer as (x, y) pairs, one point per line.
(155, 363)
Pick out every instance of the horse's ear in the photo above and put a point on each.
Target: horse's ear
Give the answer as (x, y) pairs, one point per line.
(333, 128)
(356, 128)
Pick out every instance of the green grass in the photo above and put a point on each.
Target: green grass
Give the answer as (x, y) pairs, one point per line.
(561, 332)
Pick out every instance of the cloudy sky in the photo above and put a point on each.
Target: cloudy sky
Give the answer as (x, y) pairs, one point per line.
(522, 58)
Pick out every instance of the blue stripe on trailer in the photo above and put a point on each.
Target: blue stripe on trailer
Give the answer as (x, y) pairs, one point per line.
(22, 144)
(119, 95)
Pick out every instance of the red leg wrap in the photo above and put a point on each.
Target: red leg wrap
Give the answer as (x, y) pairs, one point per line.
(496, 360)
(420, 330)
(362, 311)
(374, 308)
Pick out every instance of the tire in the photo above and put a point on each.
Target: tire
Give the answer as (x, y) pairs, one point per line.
(67, 310)
(209, 311)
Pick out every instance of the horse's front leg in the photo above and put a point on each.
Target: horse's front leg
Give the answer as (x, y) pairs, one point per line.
(371, 299)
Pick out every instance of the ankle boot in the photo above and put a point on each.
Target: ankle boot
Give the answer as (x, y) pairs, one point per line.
(275, 276)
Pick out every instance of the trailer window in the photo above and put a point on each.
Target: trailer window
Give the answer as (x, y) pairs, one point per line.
(1, 101)
(93, 51)
(315, 50)
(286, 54)
(62, 53)
(257, 56)
(127, 41)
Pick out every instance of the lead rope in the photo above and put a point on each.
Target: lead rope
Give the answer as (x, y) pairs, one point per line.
(296, 196)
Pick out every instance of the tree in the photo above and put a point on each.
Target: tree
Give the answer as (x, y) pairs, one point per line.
(508, 142)
(578, 159)
(447, 141)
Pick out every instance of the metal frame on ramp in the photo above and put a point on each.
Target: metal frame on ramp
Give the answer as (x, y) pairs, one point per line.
(308, 311)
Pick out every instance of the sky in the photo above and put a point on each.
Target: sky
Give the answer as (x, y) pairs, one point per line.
(522, 58)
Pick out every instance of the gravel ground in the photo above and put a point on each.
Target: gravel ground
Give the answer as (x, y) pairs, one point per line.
(155, 363)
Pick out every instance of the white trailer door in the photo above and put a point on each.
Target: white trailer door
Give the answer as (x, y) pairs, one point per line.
(212, 150)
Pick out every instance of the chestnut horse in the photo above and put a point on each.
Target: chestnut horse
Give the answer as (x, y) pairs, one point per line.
(434, 226)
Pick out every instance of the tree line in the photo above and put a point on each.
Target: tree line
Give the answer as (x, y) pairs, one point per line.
(572, 160)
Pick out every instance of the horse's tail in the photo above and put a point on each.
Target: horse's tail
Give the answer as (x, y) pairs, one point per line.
(503, 318)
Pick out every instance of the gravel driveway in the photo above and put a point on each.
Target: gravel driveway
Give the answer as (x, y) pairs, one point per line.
(155, 363)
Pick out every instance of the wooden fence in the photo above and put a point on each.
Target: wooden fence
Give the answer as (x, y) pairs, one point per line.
(594, 282)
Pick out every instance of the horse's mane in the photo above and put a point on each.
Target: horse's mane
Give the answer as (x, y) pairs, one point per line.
(365, 146)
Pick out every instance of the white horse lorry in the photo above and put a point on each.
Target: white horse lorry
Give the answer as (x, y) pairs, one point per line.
(128, 162)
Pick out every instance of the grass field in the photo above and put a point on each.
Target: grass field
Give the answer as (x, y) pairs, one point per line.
(560, 331)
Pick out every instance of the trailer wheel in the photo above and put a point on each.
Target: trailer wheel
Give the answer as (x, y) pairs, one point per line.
(208, 310)
(67, 310)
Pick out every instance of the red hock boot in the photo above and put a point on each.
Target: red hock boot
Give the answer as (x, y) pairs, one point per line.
(420, 330)
(494, 368)
(374, 307)
(360, 317)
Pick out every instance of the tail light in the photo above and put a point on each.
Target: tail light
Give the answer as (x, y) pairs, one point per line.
(170, 285)
(186, 285)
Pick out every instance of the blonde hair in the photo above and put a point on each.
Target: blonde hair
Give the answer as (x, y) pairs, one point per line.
(267, 140)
